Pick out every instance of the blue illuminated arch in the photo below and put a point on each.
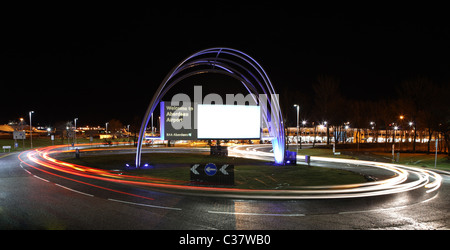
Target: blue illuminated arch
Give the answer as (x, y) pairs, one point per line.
(232, 63)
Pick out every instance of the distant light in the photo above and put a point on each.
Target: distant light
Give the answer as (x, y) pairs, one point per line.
(346, 126)
(395, 127)
(146, 165)
(303, 122)
(127, 165)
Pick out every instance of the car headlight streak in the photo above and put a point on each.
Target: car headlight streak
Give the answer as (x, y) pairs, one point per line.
(404, 178)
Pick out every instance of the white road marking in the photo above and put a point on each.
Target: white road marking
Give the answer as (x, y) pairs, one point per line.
(41, 178)
(257, 214)
(74, 190)
(387, 209)
(25, 169)
(145, 205)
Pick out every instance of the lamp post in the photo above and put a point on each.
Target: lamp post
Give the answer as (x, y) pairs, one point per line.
(31, 129)
(398, 153)
(401, 132)
(303, 130)
(128, 133)
(21, 129)
(75, 131)
(298, 111)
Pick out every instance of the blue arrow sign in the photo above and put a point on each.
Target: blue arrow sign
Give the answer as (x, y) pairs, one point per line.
(210, 169)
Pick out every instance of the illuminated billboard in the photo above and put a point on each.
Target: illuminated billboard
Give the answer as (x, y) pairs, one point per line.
(202, 121)
(178, 122)
(228, 122)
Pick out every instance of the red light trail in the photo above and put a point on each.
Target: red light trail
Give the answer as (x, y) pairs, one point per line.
(398, 183)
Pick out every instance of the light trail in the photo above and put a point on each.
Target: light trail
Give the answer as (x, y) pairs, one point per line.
(398, 183)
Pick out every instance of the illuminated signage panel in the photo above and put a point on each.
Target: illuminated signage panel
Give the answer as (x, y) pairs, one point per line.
(228, 122)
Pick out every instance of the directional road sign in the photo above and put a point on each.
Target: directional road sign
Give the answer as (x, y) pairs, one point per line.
(212, 174)
(210, 169)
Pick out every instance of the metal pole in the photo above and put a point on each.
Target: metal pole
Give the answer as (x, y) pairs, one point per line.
(298, 126)
(75, 131)
(435, 155)
(152, 124)
(31, 130)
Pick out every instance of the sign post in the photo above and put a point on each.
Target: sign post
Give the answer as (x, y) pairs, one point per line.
(6, 147)
(212, 174)
(393, 152)
(17, 135)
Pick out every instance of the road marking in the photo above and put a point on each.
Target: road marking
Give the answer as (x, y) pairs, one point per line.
(74, 190)
(41, 178)
(389, 208)
(257, 214)
(145, 205)
(25, 169)
(6, 155)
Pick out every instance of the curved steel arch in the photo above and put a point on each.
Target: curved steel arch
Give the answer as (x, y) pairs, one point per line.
(240, 66)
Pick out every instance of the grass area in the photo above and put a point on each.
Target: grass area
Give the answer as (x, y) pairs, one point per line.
(421, 160)
(248, 173)
(322, 152)
(418, 159)
(40, 142)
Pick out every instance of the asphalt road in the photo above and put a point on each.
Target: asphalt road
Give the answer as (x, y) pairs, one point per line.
(33, 199)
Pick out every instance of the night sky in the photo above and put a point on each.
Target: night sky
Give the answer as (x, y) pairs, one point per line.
(102, 62)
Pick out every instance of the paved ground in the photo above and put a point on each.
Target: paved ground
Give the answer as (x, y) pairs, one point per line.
(32, 199)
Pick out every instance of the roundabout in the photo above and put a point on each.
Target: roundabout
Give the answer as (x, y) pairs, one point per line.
(400, 178)
(81, 197)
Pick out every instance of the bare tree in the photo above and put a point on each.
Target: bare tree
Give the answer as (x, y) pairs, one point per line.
(115, 126)
(328, 102)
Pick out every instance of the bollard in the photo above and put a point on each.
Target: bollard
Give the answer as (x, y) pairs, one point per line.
(308, 159)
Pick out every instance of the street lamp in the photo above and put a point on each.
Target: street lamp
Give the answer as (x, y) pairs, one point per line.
(298, 111)
(303, 130)
(128, 133)
(75, 131)
(31, 129)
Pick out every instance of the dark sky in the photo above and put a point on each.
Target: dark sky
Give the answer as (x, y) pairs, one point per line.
(102, 62)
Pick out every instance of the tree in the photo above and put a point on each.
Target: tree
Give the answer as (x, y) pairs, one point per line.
(115, 126)
(328, 102)
(359, 116)
(414, 99)
(444, 118)
(135, 126)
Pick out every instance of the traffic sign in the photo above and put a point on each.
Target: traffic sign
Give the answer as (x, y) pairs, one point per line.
(212, 174)
(19, 135)
(210, 169)
(223, 169)
(194, 169)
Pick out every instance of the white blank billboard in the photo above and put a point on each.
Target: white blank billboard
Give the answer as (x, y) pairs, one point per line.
(228, 122)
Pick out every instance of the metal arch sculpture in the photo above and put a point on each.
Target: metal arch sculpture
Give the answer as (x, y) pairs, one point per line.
(234, 63)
